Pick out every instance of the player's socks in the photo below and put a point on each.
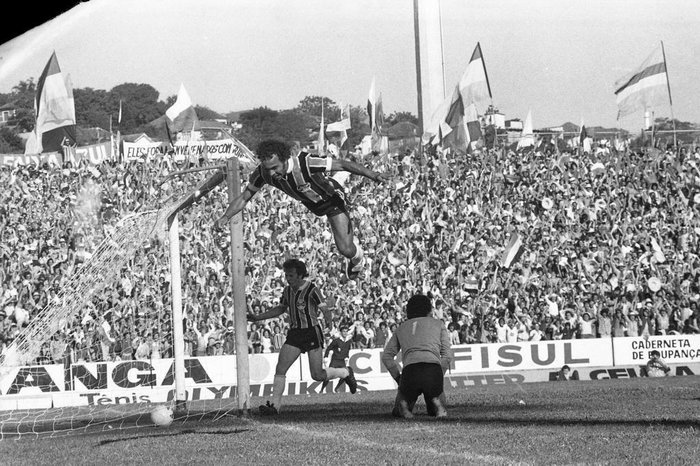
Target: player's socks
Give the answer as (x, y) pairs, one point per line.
(404, 411)
(440, 410)
(278, 389)
(355, 264)
(359, 253)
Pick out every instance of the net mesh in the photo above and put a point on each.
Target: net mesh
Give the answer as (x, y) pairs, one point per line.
(99, 271)
(116, 392)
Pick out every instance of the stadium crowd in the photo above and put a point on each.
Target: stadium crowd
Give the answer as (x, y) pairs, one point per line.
(610, 249)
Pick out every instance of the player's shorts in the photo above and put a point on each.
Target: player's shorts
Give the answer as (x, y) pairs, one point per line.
(337, 363)
(331, 207)
(422, 378)
(306, 339)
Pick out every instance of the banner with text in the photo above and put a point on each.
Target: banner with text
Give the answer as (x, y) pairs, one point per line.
(214, 377)
(674, 349)
(54, 159)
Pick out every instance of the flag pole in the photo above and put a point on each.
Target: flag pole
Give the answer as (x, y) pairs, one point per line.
(419, 84)
(670, 99)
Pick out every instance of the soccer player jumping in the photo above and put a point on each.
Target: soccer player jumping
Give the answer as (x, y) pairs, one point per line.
(303, 300)
(306, 178)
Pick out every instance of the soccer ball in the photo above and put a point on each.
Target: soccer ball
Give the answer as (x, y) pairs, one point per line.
(162, 416)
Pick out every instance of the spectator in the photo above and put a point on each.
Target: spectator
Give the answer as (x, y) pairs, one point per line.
(565, 374)
(598, 231)
(655, 366)
(586, 326)
(604, 324)
(266, 341)
(382, 335)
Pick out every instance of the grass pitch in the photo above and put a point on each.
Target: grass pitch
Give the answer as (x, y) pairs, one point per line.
(624, 421)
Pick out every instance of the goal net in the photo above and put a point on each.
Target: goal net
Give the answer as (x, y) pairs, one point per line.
(99, 356)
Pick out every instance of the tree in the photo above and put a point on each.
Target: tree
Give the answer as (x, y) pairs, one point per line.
(10, 142)
(257, 124)
(398, 117)
(205, 113)
(140, 106)
(312, 106)
(22, 96)
(92, 108)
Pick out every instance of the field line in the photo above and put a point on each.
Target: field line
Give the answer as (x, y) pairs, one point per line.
(362, 442)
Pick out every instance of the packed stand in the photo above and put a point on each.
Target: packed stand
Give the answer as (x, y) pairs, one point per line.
(610, 249)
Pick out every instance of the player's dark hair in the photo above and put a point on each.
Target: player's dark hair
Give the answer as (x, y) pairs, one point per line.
(655, 353)
(418, 305)
(270, 147)
(296, 264)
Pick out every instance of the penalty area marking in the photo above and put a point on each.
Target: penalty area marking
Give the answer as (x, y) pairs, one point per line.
(362, 442)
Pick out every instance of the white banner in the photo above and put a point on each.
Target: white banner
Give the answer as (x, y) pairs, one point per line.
(12, 160)
(143, 150)
(674, 349)
(214, 150)
(214, 377)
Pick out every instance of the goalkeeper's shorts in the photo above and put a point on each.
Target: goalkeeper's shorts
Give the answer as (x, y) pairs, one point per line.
(423, 378)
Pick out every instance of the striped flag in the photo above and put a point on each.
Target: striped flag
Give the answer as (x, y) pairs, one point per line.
(474, 85)
(645, 87)
(341, 126)
(471, 284)
(181, 115)
(372, 106)
(54, 106)
(472, 125)
(513, 251)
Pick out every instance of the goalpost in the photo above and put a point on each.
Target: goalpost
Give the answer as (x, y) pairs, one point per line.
(237, 271)
(51, 406)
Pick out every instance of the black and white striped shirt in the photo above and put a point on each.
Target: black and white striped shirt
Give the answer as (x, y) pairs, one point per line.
(302, 305)
(306, 179)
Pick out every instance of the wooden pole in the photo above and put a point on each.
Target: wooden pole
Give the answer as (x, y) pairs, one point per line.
(240, 322)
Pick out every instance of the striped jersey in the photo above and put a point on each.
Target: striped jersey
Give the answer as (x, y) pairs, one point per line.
(302, 305)
(305, 180)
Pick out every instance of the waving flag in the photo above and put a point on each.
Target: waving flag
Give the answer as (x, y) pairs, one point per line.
(527, 137)
(646, 87)
(372, 106)
(471, 284)
(54, 108)
(472, 125)
(321, 142)
(474, 85)
(341, 126)
(513, 251)
(181, 115)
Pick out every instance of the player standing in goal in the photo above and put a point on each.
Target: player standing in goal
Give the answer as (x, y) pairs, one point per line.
(305, 178)
(303, 300)
(425, 345)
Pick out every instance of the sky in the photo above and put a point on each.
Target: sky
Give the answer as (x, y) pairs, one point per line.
(558, 59)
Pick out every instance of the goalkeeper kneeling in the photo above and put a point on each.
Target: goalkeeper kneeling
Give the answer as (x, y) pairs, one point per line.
(425, 353)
